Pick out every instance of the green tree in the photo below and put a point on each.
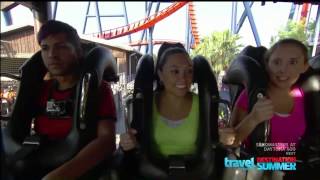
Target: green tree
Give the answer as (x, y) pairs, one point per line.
(295, 30)
(219, 48)
(311, 29)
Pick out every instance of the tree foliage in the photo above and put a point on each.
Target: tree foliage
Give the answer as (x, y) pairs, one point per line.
(296, 30)
(219, 48)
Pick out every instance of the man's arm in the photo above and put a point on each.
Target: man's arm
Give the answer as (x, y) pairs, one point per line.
(97, 150)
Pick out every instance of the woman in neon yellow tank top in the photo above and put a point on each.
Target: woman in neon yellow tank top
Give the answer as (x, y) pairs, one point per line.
(175, 108)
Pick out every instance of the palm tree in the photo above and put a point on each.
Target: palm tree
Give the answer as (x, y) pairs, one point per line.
(219, 48)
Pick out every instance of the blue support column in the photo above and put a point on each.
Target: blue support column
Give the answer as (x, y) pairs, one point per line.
(241, 20)
(252, 24)
(292, 11)
(191, 39)
(49, 10)
(126, 18)
(86, 19)
(316, 32)
(150, 41)
(7, 17)
(55, 7)
(98, 16)
(98, 19)
(188, 31)
(234, 17)
(148, 7)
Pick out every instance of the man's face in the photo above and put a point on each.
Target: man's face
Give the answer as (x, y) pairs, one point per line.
(59, 56)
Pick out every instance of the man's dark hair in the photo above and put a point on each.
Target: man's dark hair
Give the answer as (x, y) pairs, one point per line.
(55, 27)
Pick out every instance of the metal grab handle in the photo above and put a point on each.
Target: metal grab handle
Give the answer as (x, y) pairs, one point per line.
(266, 123)
(128, 117)
(83, 101)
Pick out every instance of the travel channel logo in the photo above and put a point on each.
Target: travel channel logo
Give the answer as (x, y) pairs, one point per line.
(263, 163)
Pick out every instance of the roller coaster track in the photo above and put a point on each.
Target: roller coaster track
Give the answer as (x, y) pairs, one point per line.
(194, 31)
(141, 24)
(193, 23)
(155, 41)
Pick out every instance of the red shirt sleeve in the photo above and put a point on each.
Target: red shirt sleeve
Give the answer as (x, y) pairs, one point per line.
(106, 108)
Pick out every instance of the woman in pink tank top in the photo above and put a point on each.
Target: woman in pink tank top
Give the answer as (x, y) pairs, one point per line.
(283, 104)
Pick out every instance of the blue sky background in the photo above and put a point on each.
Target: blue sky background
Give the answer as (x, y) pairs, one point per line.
(211, 16)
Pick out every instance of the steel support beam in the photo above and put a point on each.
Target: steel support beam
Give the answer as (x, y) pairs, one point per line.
(86, 19)
(188, 31)
(316, 33)
(150, 44)
(126, 18)
(234, 17)
(151, 29)
(7, 17)
(241, 20)
(292, 11)
(98, 17)
(55, 7)
(98, 14)
(252, 24)
(148, 7)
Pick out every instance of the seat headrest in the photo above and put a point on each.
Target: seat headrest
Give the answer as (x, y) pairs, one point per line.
(34, 67)
(142, 100)
(145, 70)
(246, 71)
(313, 70)
(314, 62)
(101, 61)
(256, 53)
(204, 73)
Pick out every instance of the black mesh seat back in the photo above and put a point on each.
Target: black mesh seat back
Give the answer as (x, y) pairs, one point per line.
(100, 64)
(256, 53)
(309, 81)
(142, 101)
(52, 154)
(142, 119)
(251, 74)
(208, 117)
(311, 89)
(309, 146)
(32, 72)
(209, 99)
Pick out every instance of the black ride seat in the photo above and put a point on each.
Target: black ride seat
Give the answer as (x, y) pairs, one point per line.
(21, 155)
(308, 150)
(155, 166)
(247, 71)
(235, 83)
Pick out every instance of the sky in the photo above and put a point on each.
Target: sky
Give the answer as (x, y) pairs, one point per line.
(211, 16)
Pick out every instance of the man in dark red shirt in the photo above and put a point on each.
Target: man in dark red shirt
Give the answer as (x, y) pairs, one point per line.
(62, 55)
